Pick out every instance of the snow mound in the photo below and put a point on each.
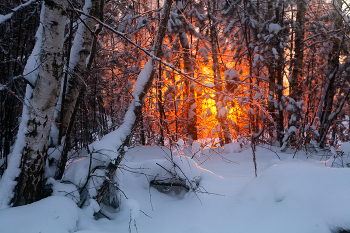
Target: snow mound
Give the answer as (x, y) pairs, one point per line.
(52, 215)
(345, 147)
(78, 169)
(232, 148)
(343, 158)
(295, 197)
(92, 208)
(134, 208)
(181, 172)
(62, 189)
(196, 148)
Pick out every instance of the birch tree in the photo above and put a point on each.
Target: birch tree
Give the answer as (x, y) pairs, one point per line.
(78, 61)
(23, 180)
(77, 67)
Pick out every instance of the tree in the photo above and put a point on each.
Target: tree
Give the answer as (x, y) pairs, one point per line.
(225, 136)
(325, 113)
(17, 31)
(133, 116)
(297, 72)
(80, 55)
(188, 63)
(24, 178)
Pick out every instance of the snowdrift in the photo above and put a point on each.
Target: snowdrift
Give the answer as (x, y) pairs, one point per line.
(300, 195)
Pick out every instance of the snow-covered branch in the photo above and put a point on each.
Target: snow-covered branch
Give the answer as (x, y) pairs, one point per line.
(4, 18)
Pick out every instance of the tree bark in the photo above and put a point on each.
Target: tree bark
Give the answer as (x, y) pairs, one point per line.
(279, 69)
(226, 138)
(271, 74)
(330, 88)
(296, 90)
(126, 130)
(81, 51)
(32, 138)
(192, 115)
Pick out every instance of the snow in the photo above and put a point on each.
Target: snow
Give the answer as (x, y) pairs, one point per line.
(231, 74)
(110, 143)
(134, 208)
(210, 85)
(275, 28)
(203, 52)
(345, 147)
(294, 197)
(275, 53)
(78, 43)
(196, 148)
(92, 208)
(50, 215)
(181, 166)
(141, 22)
(232, 148)
(63, 189)
(289, 195)
(3, 18)
(343, 160)
(30, 70)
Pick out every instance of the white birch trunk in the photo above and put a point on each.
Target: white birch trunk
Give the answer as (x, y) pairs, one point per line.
(23, 180)
(80, 53)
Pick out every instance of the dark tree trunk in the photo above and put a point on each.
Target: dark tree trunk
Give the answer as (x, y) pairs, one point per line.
(225, 136)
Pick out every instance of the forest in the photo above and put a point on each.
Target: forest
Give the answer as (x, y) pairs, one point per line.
(84, 82)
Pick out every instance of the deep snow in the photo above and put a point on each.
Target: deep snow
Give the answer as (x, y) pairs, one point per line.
(299, 195)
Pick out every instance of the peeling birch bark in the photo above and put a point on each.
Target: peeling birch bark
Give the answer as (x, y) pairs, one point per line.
(25, 173)
(80, 53)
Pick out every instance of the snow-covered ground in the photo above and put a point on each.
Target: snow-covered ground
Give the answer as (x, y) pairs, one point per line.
(297, 195)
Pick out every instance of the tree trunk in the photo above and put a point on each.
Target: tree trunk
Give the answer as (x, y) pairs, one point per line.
(279, 69)
(272, 76)
(30, 150)
(330, 88)
(192, 115)
(217, 79)
(296, 90)
(134, 114)
(80, 52)
(160, 105)
(81, 55)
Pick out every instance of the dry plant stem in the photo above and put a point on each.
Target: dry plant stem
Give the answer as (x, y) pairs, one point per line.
(254, 157)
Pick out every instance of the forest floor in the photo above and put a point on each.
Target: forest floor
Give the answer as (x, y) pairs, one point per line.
(297, 195)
